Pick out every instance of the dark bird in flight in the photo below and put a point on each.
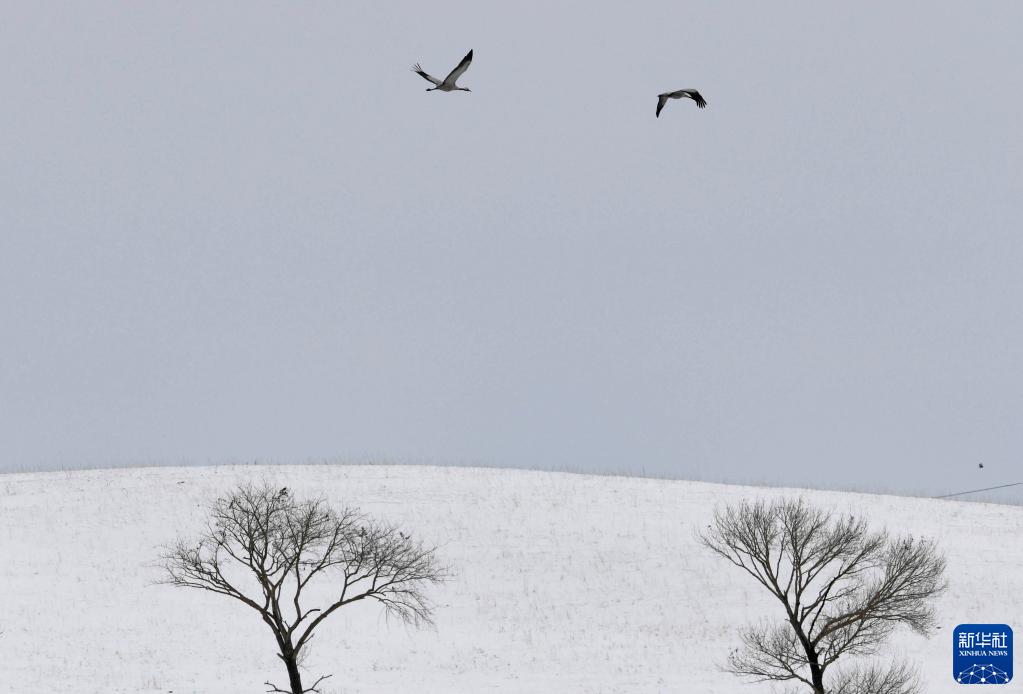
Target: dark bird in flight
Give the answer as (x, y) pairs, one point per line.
(680, 94)
(448, 83)
(980, 465)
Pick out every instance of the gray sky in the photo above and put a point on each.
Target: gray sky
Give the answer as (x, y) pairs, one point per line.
(236, 231)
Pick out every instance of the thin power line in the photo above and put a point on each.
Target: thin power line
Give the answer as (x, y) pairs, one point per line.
(974, 491)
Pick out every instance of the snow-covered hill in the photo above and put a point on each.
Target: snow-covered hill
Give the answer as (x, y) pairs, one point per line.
(564, 583)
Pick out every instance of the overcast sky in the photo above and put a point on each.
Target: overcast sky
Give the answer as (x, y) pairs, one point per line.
(241, 231)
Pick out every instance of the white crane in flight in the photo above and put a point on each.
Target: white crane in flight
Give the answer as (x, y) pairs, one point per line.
(680, 94)
(448, 83)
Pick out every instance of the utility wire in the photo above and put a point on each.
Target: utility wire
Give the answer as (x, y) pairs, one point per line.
(974, 491)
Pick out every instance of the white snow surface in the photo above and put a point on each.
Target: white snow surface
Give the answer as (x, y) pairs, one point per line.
(563, 583)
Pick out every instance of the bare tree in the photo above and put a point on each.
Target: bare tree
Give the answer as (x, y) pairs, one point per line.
(844, 590)
(267, 550)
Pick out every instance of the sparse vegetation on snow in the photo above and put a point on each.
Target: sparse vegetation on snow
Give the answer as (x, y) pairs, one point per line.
(843, 589)
(562, 583)
(270, 551)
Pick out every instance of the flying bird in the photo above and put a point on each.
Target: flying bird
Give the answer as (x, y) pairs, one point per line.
(680, 94)
(980, 465)
(448, 83)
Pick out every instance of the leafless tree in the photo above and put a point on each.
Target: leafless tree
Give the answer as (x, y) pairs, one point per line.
(267, 549)
(844, 590)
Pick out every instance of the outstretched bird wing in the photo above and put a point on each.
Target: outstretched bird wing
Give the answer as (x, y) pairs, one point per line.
(457, 72)
(419, 71)
(692, 94)
(661, 101)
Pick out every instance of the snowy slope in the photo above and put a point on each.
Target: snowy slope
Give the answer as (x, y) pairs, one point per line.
(565, 583)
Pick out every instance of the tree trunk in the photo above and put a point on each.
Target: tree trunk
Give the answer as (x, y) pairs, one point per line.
(816, 671)
(817, 677)
(294, 677)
